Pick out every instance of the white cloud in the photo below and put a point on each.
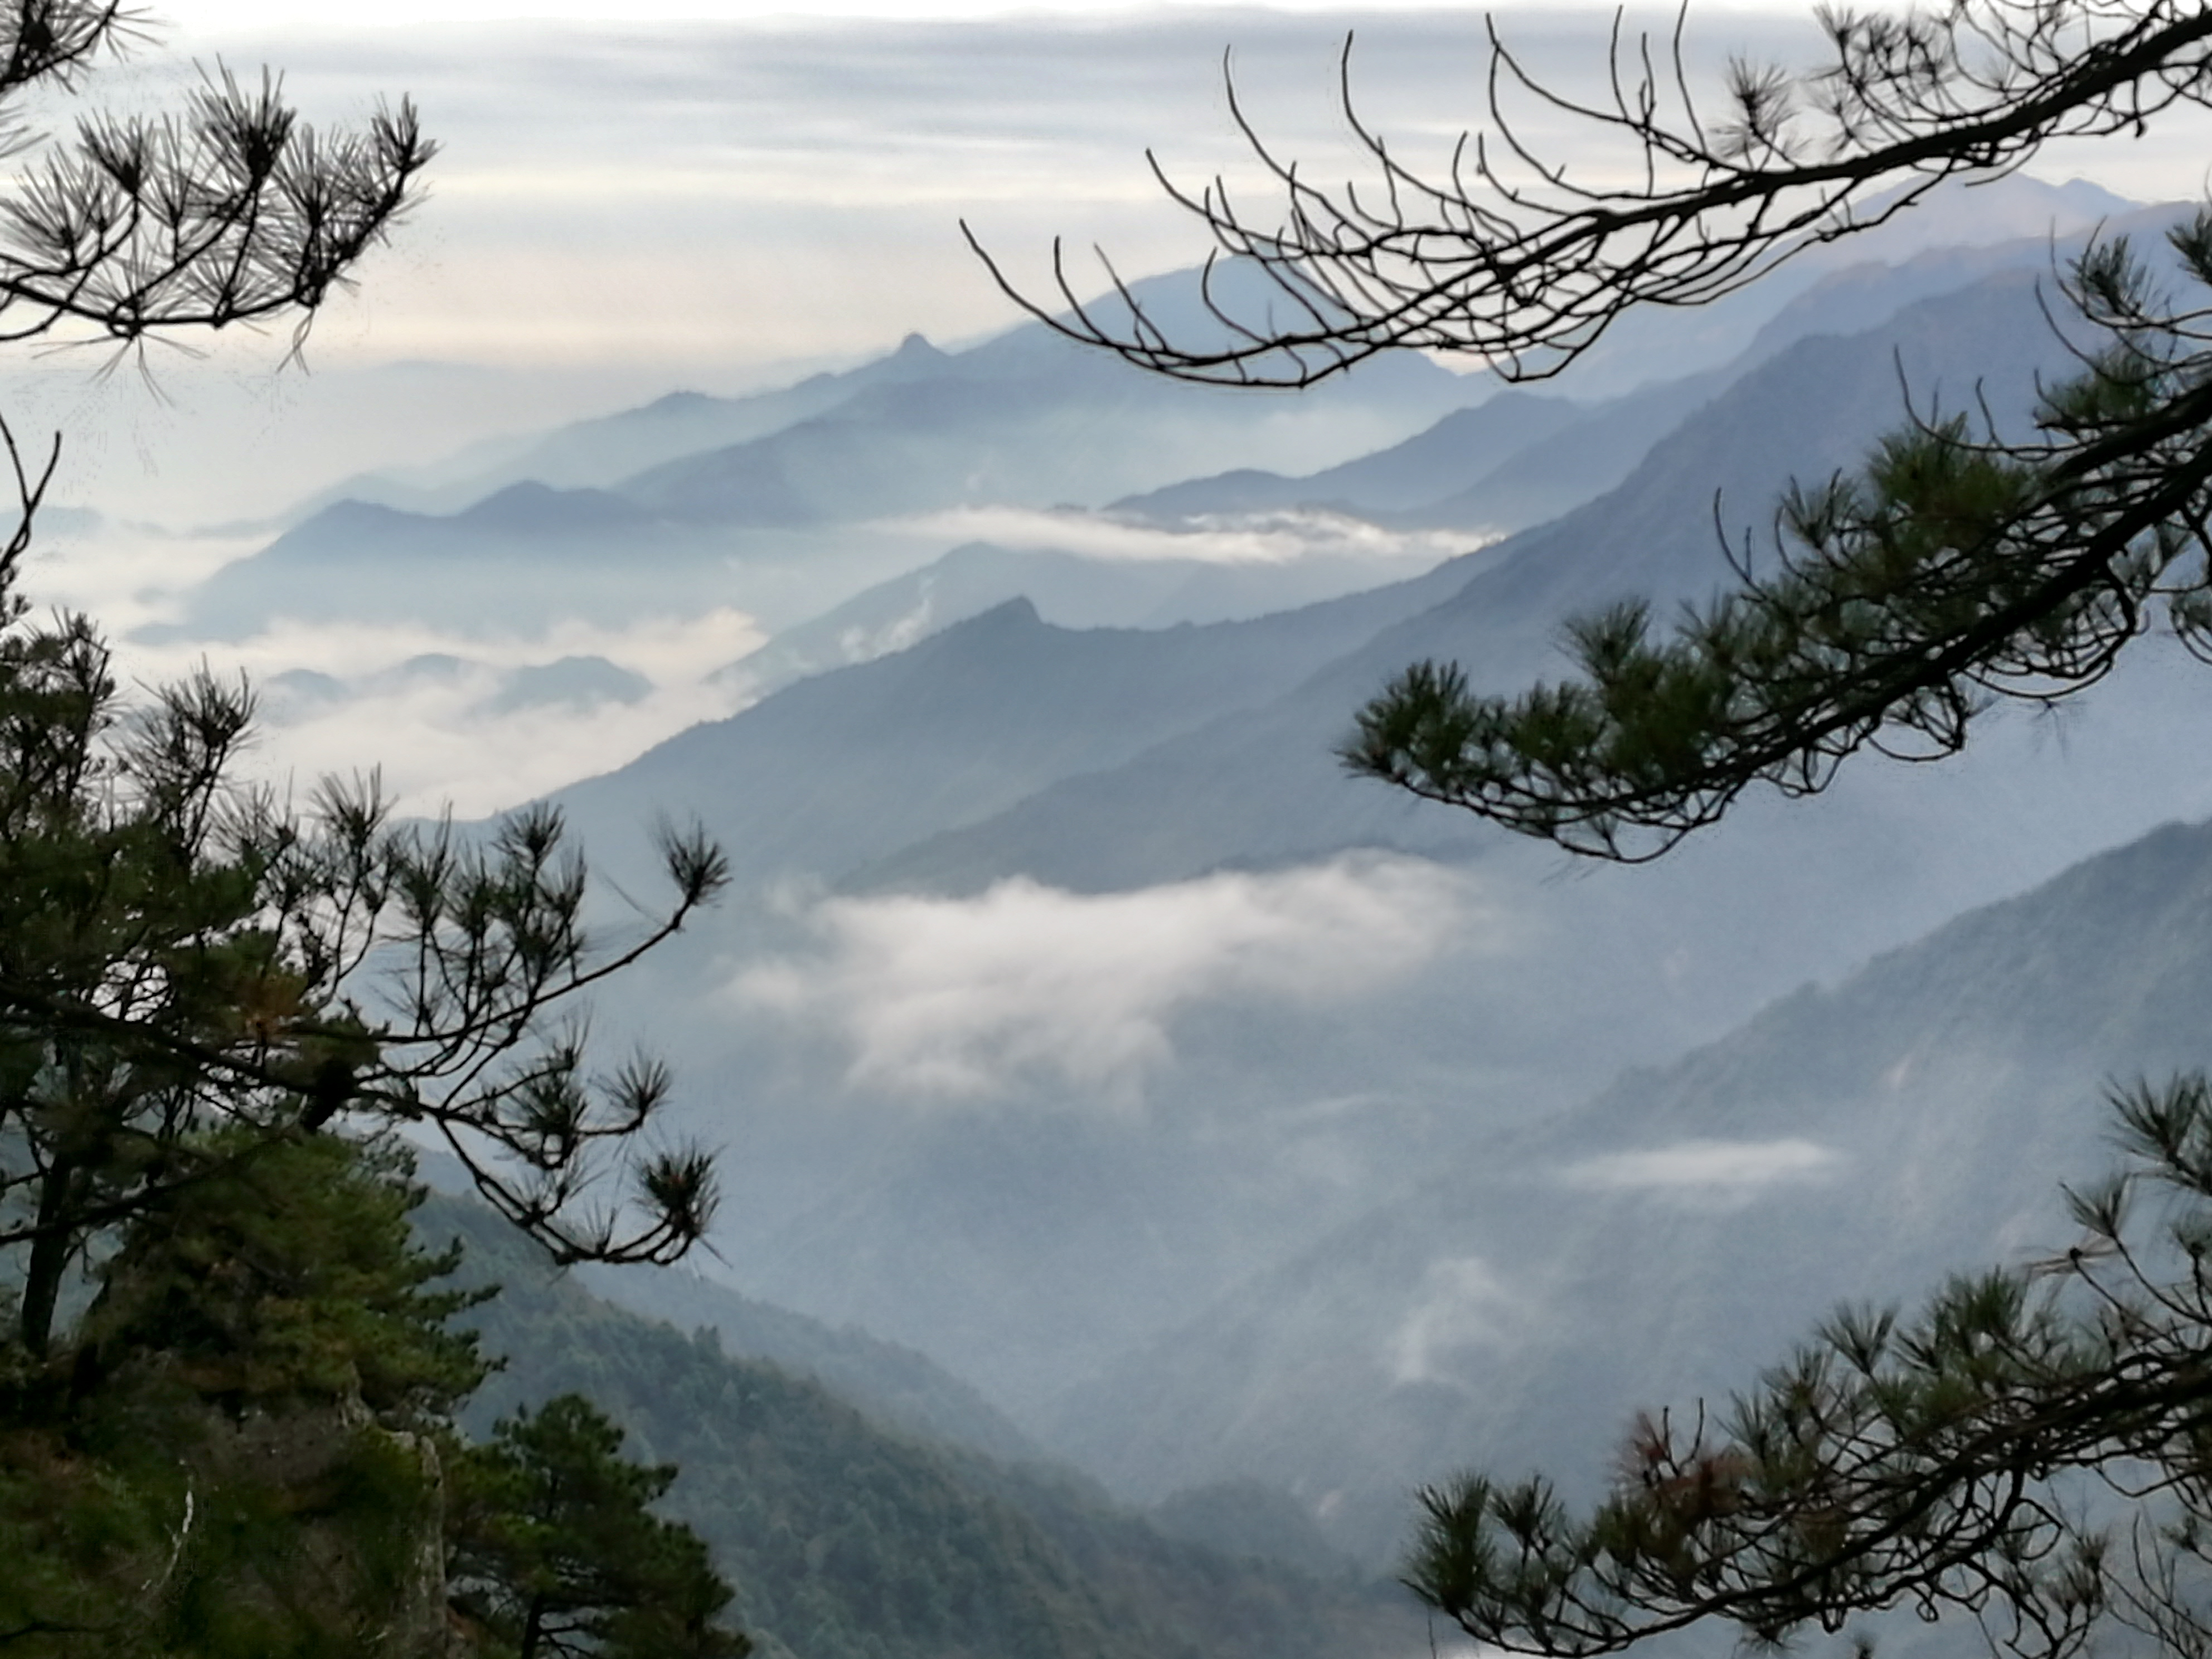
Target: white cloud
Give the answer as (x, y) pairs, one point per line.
(1462, 1305)
(434, 739)
(1280, 538)
(1729, 1168)
(964, 998)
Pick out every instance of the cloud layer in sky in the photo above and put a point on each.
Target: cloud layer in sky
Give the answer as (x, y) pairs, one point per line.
(625, 207)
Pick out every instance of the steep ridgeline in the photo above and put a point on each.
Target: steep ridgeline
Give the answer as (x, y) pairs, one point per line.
(1810, 410)
(843, 768)
(897, 1386)
(1524, 457)
(1068, 590)
(847, 1541)
(1104, 759)
(1685, 1228)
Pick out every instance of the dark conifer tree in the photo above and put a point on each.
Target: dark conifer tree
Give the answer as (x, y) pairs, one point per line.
(556, 1551)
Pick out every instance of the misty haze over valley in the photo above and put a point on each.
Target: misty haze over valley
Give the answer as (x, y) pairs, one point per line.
(1106, 1084)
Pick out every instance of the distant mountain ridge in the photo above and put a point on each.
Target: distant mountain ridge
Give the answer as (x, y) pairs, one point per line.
(1336, 1240)
(1655, 535)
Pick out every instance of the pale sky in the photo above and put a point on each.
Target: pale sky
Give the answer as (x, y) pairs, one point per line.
(259, 14)
(723, 187)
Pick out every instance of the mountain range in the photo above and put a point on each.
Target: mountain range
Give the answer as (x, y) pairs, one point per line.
(1077, 1028)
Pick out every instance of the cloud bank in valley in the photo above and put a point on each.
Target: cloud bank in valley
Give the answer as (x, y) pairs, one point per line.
(1729, 1169)
(970, 998)
(1283, 536)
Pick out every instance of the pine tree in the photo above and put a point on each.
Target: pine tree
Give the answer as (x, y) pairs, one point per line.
(244, 1458)
(556, 1551)
(177, 949)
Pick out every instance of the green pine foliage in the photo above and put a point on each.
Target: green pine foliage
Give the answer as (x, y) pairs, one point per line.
(289, 1274)
(241, 1456)
(251, 1449)
(553, 1550)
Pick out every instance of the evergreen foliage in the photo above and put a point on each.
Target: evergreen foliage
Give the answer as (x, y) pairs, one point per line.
(178, 949)
(290, 1273)
(235, 1451)
(255, 1452)
(553, 1548)
(231, 209)
(243, 1460)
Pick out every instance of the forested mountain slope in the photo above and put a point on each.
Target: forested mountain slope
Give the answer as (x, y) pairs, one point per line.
(846, 1540)
(898, 1388)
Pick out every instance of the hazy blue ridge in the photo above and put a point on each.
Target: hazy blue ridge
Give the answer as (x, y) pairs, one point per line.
(603, 450)
(1069, 590)
(1407, 475)
(838, 769)
(1278, 794)
(1525, 456)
